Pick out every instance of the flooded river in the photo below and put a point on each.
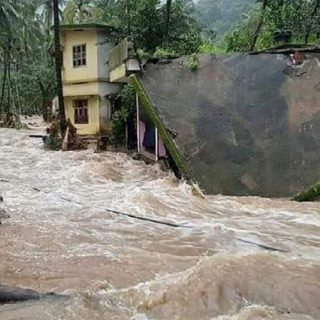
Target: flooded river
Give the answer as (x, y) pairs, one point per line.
(230, 258)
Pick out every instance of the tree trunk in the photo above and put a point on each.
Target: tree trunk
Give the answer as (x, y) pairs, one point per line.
(48, 23)
(128, 12)
(62, 115)
(9, 84)
(167, 23)
(314, 12)
(259, 26)
(4, 82)
(80, 11)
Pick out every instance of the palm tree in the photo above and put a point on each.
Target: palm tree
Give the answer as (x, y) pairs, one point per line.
(9, 16)
(58, 59)
(78, 11)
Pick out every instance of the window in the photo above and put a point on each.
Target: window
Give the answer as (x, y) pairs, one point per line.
(81, 111)
(79, 56)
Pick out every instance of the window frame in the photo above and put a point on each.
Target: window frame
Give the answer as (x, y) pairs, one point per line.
(79, 55)
(81, 111)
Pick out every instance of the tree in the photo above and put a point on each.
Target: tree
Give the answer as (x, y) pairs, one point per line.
(151, 24)
(62, 116)
(220, 17)
(78, 11)
(256, 34)
(297, 18)
(312, 21)
(167, 21)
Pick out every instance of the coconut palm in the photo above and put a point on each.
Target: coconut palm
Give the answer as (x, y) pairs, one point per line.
(58, 65)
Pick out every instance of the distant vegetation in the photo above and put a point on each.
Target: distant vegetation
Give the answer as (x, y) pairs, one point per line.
(169, 28)
(221, 17)
(246, 25)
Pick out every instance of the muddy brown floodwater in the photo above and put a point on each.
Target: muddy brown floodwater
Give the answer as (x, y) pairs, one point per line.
(233, 258)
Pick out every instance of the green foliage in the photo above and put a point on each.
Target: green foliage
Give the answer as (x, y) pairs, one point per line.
(185, 32)
(164, 53)
(210, 48)
(78, 11)
(239, 39)
(27, 78)
(220, 17)
(123, 114)
(193, 62)
(310, 195)
(142, 54)
(32, 88)
(145, 23)
(301, 18)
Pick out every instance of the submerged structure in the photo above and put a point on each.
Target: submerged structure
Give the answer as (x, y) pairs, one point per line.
(240, 125)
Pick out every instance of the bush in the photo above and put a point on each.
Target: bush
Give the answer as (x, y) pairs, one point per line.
(193, 62)
(165, 53)
(210, 48)
(310, 195)
(123, 114)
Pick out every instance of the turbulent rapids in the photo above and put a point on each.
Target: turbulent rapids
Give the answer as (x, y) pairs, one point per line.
(232, 258)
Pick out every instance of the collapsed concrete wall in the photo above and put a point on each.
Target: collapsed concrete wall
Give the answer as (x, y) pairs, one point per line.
(244, 124)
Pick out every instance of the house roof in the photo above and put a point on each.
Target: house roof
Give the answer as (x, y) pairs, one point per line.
(86, 26)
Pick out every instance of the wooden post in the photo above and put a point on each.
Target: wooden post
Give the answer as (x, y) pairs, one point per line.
(138, 123)
(156, 144)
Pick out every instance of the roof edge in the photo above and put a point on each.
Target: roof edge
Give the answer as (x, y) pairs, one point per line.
(86, 26)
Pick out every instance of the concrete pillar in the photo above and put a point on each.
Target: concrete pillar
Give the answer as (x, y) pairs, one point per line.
(138, 123)
(156, 144)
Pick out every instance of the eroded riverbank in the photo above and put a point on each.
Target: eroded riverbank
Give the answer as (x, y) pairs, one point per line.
(60, 238)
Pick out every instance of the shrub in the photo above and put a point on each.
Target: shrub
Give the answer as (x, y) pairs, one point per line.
(193, 62)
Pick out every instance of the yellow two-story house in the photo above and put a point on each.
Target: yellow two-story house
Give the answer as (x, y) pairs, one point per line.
(85, 75)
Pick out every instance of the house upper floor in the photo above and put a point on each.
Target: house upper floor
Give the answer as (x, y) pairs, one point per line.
(85, 53)
(89, 55)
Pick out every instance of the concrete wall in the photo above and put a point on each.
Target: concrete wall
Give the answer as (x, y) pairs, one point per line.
(80, 74)
(104, 115)
(79, 89)
(118, 74)
(103, 50)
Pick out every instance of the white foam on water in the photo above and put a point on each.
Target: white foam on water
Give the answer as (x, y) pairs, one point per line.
(60, 237)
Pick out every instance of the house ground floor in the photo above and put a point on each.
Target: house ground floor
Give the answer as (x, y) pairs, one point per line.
(89, 106)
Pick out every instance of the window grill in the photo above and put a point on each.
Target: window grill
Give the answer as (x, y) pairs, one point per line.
(79, 56)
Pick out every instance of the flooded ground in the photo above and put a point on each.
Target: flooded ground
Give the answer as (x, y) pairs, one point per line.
(229, 259)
